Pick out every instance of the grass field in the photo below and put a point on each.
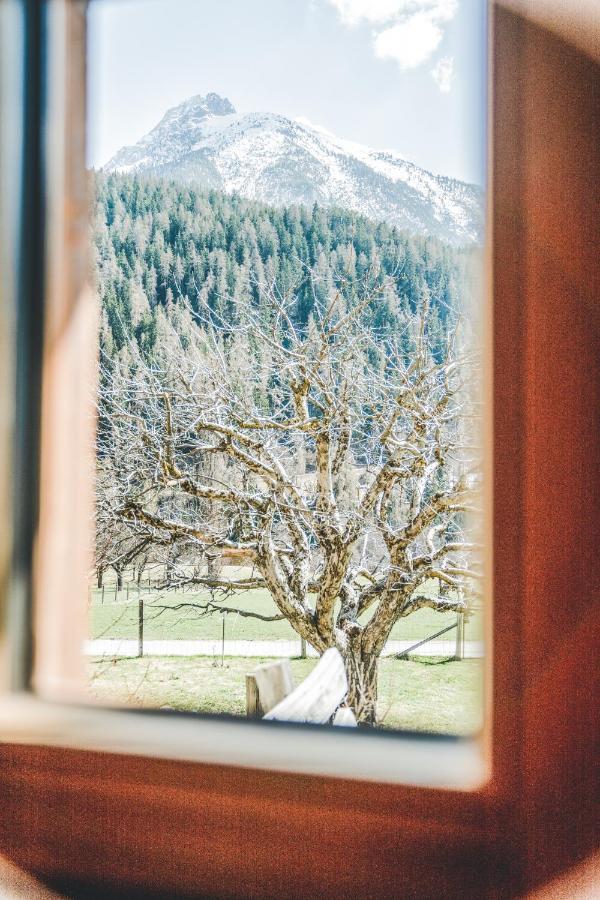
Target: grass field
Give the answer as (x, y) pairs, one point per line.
(117, 618)
(433, 695)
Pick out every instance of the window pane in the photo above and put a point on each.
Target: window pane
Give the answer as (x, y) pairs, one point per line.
(289, 462)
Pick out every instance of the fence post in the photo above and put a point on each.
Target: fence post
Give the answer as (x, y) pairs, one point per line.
(460, 636)
(223, 644)
(102, 601)
(140, 624)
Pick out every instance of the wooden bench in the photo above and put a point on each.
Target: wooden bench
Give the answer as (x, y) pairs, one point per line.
(270, 692)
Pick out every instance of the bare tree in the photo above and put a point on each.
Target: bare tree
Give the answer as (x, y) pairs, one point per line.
(346, 469)
(117, 547)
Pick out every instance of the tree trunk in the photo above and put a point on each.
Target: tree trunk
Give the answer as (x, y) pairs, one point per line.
(119, 575)
(361, 670)
(99, 577)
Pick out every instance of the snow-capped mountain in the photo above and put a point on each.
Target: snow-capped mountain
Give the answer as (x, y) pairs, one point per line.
(276, 160)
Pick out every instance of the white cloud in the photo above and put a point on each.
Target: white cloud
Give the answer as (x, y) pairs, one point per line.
(443, 73)
(352, 12)
(410, 42)
(408, 31)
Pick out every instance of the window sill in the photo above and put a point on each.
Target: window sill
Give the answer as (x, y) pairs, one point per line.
(411, 759)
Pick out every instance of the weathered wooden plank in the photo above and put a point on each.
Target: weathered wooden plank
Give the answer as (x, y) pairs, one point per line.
(267, 686)
(252, 701)
(319, 695)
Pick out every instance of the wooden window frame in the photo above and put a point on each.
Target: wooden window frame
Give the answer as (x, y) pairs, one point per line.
(82, 817)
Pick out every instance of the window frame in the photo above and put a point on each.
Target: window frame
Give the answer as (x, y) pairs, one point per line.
(361, 836)
(61, 554)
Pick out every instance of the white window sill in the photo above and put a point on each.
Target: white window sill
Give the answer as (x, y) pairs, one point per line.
(415, 760)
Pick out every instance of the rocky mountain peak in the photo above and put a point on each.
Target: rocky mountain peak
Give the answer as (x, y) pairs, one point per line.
(198, 107)
(273, 159)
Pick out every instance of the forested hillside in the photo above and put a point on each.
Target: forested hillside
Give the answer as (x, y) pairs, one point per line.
(165, 252)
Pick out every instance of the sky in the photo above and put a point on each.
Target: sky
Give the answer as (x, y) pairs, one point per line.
(406, 75)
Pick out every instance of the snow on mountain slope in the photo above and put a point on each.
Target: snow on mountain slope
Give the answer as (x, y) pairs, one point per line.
(276, 160)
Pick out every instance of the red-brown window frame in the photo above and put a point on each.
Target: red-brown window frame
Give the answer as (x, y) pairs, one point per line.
(178, 828)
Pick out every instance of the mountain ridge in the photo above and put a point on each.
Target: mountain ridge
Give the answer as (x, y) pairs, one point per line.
(274, 159)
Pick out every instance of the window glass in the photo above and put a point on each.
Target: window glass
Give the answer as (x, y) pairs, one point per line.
(288, 224)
